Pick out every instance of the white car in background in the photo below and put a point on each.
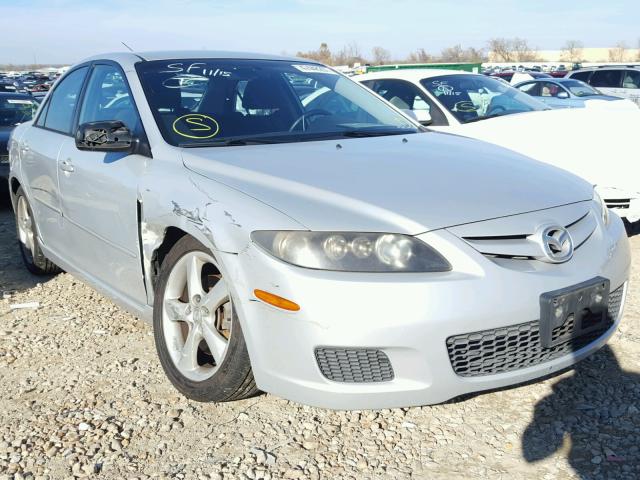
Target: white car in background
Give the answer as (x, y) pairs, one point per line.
(600, 145)
(619, 81)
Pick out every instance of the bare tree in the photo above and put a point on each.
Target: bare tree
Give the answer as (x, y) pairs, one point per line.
(420, 56)
(380, 55)
(501, 50)
(512, 50)
(618, 53)
(459, 54)
(323, 54)
(572, 51)
(349, 55)
(523, 51)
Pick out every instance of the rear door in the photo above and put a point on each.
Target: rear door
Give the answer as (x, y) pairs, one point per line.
(608, 81)
(100, 190)
(631, 85)
(39, 149)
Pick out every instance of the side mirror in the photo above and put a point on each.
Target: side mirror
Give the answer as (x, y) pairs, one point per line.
(421, 116)
(109, 136)
(563, 95)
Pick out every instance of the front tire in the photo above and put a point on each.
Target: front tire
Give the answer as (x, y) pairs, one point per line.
(197, 333)
(27, 230)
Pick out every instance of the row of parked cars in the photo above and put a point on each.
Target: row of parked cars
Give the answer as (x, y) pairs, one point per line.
(345, 244)
(34, 83)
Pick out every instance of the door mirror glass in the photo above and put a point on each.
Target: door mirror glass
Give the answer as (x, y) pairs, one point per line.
(109, 136)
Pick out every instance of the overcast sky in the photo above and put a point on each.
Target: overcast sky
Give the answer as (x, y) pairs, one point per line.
(65, 31)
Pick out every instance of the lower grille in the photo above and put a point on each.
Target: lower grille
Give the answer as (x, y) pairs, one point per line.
(354, 365)
(518, 346)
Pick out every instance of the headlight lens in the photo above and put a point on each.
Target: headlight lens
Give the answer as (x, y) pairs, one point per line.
(352, 252)
(604, 210)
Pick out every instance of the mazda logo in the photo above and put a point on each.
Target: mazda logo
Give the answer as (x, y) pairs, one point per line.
(556, 243)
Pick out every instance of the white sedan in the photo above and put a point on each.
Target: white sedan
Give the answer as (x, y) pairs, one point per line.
(600, 146)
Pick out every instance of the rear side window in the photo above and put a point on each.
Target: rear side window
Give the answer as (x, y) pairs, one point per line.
(584, 76)
(62, 104)
(631, 79)
(607, 78)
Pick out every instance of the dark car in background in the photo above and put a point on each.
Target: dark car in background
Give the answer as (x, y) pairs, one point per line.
(15, 108)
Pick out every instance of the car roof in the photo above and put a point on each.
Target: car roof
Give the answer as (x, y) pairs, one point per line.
(549, 79)
(411, 74)
(607, 67)
(134, 57)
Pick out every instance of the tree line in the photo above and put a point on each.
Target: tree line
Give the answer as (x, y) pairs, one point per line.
(503, 50)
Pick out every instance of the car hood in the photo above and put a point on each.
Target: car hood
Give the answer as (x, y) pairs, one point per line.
(406, 184)
(600, 145)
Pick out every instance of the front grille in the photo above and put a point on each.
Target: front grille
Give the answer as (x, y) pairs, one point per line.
(518, 346)
(354, 365)
(624, 203)
(523, 246)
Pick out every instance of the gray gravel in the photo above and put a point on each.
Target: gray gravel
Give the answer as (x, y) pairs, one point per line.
(83, 395)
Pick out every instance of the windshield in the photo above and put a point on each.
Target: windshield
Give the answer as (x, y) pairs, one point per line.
(580, 89)
(476, 97)
(14, 111)
(235, 102)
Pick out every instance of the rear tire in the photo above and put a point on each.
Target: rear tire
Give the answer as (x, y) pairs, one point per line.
(198, 336)
(27, 231)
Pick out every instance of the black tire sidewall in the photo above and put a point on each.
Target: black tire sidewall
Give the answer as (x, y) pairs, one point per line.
(235, 367)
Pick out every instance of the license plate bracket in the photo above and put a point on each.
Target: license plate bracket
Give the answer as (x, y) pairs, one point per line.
(581, 309)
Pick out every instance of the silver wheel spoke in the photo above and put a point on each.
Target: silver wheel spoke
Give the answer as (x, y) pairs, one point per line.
(189, 355)
(216, 296)
(216, 342)
(176, 310)
(194, 279)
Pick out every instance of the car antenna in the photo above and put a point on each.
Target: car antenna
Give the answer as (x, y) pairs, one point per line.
(130, 49)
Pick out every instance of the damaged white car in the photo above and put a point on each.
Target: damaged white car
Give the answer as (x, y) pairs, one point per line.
(286, 230)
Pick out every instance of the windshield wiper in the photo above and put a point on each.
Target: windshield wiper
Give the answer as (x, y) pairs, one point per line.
(372, 133)
(484, 117)
(230, 142)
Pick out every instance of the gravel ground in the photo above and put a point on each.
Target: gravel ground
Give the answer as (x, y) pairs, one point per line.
(83, 395)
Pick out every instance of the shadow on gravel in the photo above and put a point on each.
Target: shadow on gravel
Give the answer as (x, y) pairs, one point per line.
(593, 418)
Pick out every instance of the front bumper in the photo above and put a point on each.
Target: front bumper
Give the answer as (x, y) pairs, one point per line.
(408, 317)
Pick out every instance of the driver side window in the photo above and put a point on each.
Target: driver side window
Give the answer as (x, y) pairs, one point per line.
(108, 98)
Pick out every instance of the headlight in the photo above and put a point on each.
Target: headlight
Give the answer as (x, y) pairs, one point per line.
(604, 210)
(352, 252)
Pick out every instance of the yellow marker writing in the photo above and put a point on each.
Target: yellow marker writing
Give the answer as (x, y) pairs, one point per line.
(190, 124)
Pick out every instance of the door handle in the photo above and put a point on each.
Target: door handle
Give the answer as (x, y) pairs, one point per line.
(67, 166)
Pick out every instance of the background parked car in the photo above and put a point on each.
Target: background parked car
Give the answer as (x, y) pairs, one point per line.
(569, 93)
(618, 81)
(595, 145)
(15, 108)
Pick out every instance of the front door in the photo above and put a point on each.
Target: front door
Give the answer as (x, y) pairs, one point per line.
(100, 191)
